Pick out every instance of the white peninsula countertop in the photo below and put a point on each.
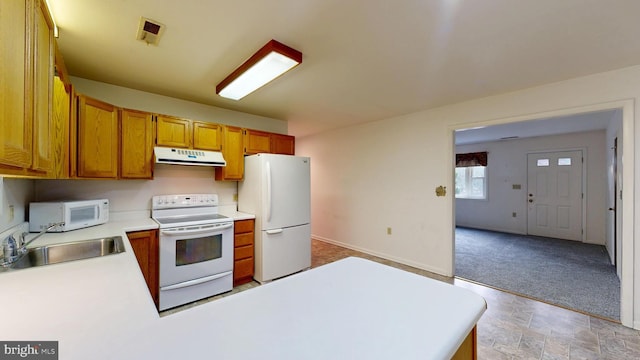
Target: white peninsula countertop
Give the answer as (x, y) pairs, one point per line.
(100, 308)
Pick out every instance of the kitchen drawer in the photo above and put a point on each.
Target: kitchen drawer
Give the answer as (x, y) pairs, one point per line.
(243, 268)
(243, 252)
(243, 239)
(243, 226)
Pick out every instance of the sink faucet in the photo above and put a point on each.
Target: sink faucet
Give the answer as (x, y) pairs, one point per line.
(13, 251)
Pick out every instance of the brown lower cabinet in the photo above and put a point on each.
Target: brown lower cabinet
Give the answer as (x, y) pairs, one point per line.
(146, 248)
(243, 251)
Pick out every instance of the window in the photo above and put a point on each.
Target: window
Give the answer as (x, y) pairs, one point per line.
(471, 175)
(564, 162)
(542, 162)
(471, 182)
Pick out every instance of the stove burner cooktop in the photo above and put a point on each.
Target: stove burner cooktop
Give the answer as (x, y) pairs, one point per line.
(186, 210)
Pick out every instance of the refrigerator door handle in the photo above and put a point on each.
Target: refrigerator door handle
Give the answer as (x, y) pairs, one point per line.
(274, 231)
(268, 170)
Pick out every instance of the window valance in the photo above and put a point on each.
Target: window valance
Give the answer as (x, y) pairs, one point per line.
(471, 159)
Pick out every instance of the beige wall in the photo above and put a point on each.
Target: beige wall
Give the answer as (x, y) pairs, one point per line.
(383, 174)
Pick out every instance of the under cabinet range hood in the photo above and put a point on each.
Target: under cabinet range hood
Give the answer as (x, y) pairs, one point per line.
(178, 156)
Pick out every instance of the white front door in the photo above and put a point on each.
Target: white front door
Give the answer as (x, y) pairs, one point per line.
(554, 194)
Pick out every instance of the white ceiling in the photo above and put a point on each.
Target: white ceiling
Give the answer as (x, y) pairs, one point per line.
(363, 60)
(593, 121)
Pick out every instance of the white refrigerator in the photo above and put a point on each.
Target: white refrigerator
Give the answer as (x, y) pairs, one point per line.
(276, 188)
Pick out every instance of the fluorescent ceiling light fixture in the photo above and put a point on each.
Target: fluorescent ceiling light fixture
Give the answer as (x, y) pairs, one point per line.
(271, 61)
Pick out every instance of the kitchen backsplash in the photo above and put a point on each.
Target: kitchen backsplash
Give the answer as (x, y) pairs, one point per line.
(14, 197)
(135, 195)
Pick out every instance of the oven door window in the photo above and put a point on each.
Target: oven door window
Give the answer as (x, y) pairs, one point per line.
(195, 250)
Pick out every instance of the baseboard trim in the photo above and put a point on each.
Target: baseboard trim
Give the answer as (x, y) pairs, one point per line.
(506, 231)
(384, 256)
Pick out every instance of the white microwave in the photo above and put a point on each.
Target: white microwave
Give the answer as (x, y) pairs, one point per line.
(74, 214)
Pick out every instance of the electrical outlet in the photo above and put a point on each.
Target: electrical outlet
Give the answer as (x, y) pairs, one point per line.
(11, 213)
(235, 197)
(388, 231)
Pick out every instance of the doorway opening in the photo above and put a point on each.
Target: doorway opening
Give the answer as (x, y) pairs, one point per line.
(538, 192)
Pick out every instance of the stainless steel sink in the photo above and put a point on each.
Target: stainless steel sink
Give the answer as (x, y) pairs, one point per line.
(77, 250)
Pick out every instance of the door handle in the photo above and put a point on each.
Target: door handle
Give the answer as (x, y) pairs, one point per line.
(530, 200)
(268, 170)
(273, 232)
(195, 282)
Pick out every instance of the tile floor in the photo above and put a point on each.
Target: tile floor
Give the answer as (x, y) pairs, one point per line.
(513, 327)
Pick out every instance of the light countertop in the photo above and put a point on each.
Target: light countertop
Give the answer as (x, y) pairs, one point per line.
(87, 305)
(100, 308)
(237, 215)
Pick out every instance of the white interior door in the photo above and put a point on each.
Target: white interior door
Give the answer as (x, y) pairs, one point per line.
(618, 205)
(555, 194)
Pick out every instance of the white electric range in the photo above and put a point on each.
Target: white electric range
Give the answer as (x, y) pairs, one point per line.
(196, 248)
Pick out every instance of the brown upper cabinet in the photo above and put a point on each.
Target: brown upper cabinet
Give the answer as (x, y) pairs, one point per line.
(183, 133)
(97, 139)
(238, 142)
(62, 115)
(283, 144)
(26, 87)
(15, 87)
(207, 136)
(173, 132)
(264, 142)
(111, 143)
(256, 142)
(43, 90)
(232, 151)
(136, 144)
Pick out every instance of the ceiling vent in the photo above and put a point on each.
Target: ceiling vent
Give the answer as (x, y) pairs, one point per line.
(149, 31)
